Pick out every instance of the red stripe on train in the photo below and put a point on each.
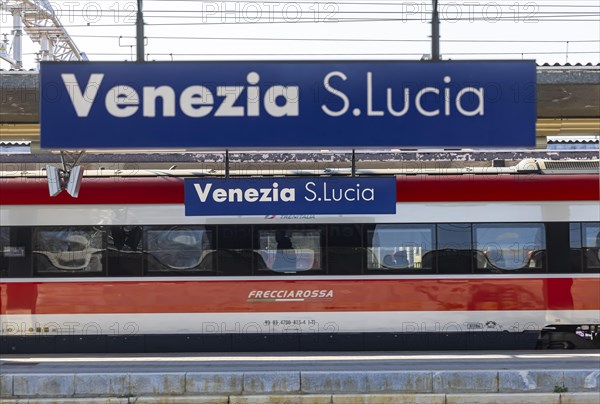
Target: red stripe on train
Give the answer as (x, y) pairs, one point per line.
(458, 188)
(197, 296)
(482, 188)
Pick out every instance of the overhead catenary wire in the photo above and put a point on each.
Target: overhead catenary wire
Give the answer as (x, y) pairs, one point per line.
(323, 39)
(341, 54)
(186, 13)
(163, 24)
(300, 21)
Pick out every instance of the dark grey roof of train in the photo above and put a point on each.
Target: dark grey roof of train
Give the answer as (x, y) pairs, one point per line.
(266, 162)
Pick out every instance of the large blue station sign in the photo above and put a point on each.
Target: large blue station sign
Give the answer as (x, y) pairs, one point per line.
(290, 196)
(301, 104)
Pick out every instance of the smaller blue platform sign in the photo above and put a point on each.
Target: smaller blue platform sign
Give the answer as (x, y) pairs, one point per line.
(290, 196)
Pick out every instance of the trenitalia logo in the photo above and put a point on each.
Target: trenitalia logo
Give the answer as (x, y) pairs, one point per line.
(287, 104)
(289, 295)
(290, 196)
(291, 217)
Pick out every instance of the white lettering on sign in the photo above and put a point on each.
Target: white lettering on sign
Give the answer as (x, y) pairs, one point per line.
(122, 101)
(82, 101)
(273, 194)
(314, 193)
(198, 101)
(440, 98)
(195, 101)
(332, 194)
(337, 93)
(168, 100)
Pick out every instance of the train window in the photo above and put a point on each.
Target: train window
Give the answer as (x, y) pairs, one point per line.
(559, 239)
(502, 247)
(344, 249)
(575, 235)
(179, 249)
(68, 250)
(235, 256)
(591, 245)
(400, 247)
(124, 246)
(454, 252)
(8, 247)
(13, 256)
(5, 250)
(290, 250)
(576, 255)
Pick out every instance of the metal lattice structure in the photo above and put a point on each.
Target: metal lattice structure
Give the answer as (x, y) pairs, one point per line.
(39, 21)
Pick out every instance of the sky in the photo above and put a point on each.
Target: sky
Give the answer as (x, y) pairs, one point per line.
(549, 31)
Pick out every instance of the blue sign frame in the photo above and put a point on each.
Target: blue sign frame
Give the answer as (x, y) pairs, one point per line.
(290, 196)
(287, 104)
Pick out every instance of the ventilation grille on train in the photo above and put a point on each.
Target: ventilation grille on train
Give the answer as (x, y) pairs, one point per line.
(571, 167)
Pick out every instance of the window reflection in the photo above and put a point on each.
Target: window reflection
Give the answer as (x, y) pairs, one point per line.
(575, 235)
(68, 249)
(454, 252)
(575, 251)
(591, 244)
(509, 246)
(393, 246)
(4, 238)
(10, 248)
(178, 248)
(125, 238)
(290, 250)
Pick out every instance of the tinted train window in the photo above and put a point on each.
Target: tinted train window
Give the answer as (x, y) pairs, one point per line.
(14, 259)
(558, 251)
(591, 245)
(503, 247)
(290, 250)
(124, 247)
(68, 250)
(575, 235)
(235, 255)
(179, 249)
(8, 245)
(575, 247)
(7, 250)
(396, 246)
(454, 252)
(345, 252)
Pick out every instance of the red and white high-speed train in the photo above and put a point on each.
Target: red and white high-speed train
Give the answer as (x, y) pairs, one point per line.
(466, 262)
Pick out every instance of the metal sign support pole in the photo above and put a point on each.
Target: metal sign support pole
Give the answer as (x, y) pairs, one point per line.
(18, 40)
(226, 163)
(139, 25)
(353, 162)
(435, 33)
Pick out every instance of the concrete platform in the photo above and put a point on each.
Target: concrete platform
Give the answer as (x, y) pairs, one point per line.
(344, 378)
(347, 387)
(530, 398)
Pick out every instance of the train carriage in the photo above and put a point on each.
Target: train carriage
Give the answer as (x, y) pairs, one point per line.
(472, 261)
